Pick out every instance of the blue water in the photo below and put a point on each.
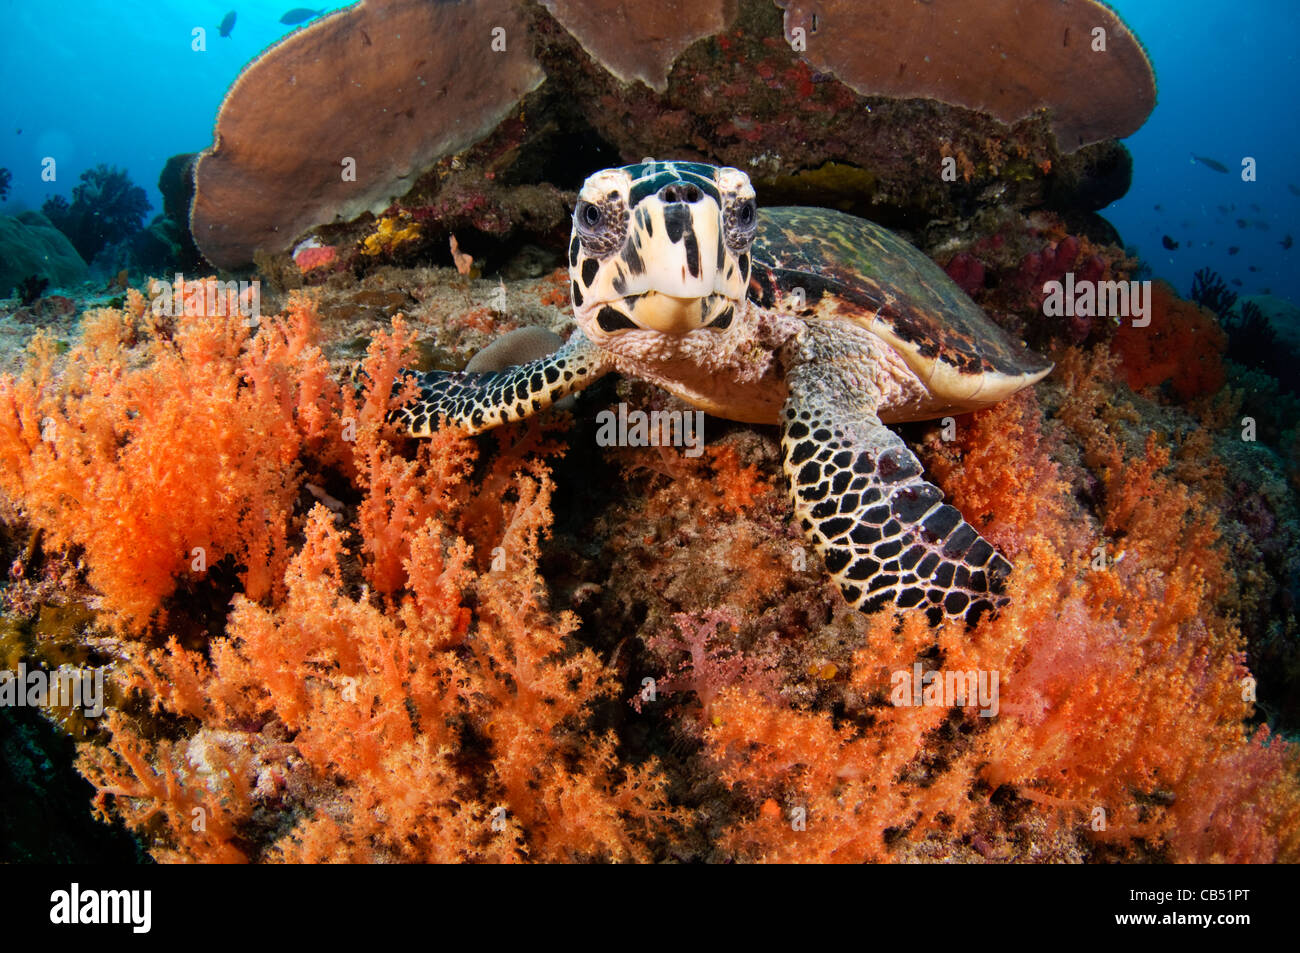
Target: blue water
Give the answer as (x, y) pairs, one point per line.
(117, 82)
(1227, 75)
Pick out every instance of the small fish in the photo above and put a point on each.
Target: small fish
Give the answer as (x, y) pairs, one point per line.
(1242, 223)
(1233, 250)
(1157, 208)
(302, 15)
(1286, 242)
(1236, 282)
(1292, 189)
(1252, 268)
(1168, 242)
(1210, 163)
(227, 23)
(1266, 291)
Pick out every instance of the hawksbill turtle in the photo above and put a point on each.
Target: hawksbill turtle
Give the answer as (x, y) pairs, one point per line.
(822, 322)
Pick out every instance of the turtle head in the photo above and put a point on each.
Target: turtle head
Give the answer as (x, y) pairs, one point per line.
(661, 247)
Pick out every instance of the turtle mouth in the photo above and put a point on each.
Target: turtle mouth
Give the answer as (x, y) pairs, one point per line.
(667, 313)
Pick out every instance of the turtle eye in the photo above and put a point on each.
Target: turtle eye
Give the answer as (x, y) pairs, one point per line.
(741, 220)
(589, 217)
(601, 226)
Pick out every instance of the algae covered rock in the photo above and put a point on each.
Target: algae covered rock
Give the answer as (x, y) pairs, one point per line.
(30, 245)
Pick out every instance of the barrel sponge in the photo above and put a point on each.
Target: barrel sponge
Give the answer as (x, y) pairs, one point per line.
(635, 40)
(339, 118)
(1007, 58)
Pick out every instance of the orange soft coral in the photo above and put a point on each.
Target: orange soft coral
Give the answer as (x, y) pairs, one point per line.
(448, 725)
(1128, 680)
(410, 693)
(401, 495)
(999, 473)
(164, 460)
(737, 487)
(1122, 707)
(404, 748)
(840, 787)
(173, 789)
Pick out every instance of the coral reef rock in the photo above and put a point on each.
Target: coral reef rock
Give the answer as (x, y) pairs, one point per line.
(31, 245)
(865, 109)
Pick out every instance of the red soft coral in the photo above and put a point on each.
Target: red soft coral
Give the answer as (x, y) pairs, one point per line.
(1183, 345)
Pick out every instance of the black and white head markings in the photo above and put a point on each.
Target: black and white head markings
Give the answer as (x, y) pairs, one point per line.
(661, 247)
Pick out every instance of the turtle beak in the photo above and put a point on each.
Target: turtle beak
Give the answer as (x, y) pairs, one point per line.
(668, 314)
(674, 251)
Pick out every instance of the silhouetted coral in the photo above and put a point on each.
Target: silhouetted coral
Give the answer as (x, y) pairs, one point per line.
(31, 245)
(1210, 291)
(31, 288)
(6, 177)
(167, 244)
(106, 208)
(1253, 341)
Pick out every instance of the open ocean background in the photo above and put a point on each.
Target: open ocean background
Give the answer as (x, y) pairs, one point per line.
(117, 82)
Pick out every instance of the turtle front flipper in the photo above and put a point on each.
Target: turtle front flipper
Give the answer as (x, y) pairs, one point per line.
(480, 401)
(883, 531)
